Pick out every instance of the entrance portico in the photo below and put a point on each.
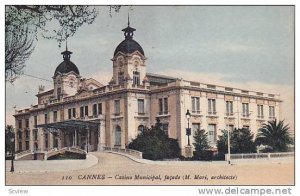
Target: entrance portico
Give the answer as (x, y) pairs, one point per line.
(74, 133)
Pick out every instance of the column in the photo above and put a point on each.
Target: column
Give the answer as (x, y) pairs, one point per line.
(75, 142)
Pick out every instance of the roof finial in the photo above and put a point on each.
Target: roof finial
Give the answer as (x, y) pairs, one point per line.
(128, 19)
(66, 44)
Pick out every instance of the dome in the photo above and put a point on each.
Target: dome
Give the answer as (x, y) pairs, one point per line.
(66, 66)
(129, 46)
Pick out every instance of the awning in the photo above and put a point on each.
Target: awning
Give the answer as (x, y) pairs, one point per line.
(67, 124)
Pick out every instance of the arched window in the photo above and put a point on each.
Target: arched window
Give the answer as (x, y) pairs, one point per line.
(141, 129)
(118, 136)
(136, 78)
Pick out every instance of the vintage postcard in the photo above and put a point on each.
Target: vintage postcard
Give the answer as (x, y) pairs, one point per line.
(150, 95)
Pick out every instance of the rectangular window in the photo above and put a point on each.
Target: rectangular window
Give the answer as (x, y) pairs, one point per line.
(86, 110)
(35, 121)
(195, 104)
(69, 113)
(20, 146)
(20, 135)
(46, 140)
(163, 106)
(260, 111)
(212, 136)
(81, 112)
(27, 145)
(27, 135)
(95, 112)
(245, 109)
(54, 116)
(20, 124)
(166, 105)
(35, 134)
(271, 111)
(141, 106)
(160, 105)
(136, 78)
(99, 108)
(46, 118)
(195, 127)
(74, 113)
(117, 107)
(212, 106)
(27, 123)
(229, 108)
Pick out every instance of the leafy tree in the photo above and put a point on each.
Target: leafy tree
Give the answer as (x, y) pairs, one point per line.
(201, 146)
(155, 144)
(9, 134)
(275, 135)
(23, 22)
(241, 141)
(201, 142)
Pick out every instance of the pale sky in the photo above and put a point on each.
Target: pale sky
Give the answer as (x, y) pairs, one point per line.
(249, 47)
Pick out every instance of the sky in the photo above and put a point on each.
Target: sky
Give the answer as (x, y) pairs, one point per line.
(248, 47)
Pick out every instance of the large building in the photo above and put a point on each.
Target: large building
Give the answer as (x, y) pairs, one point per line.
(80, 111)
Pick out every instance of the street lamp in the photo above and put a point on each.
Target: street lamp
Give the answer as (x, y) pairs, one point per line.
(12, 169)
(188, 129)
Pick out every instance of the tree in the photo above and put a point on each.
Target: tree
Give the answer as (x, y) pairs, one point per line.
(9, 134)
(201, 146)
(201, 142)
(275, 135)
(18, 48)
(155, 144)
(23, 22)
(241, 141)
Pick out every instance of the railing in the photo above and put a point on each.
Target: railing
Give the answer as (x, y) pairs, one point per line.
(55, 151)
(134, 153)
(20, 154)
(260, 155)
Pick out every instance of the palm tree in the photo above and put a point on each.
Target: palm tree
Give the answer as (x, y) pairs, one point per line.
(274, 135)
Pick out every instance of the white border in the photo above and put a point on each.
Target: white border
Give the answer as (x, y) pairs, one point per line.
(130, 190)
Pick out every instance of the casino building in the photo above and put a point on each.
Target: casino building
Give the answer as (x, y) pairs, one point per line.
(84, 113)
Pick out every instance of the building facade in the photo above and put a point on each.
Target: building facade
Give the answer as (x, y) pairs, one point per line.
(80, 111)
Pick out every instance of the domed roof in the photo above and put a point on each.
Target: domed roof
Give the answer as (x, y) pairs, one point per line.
(129, 46)
(66, 66)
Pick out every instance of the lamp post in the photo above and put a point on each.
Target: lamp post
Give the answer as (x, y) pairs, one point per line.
(12, 169)
(228, 140)
(188, 129)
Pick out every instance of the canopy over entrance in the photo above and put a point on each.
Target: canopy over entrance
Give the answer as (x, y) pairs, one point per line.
(70, 124)
(72, 133)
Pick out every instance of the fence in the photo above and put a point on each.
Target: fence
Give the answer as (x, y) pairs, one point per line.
(134, 153)
(260, 155)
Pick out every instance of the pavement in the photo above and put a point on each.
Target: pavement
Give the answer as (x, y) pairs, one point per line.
(32, 166)
(114, 169)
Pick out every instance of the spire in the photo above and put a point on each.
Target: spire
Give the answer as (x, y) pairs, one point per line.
(67, 44)
(128, 20)
(128, 31)
(66, 54)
